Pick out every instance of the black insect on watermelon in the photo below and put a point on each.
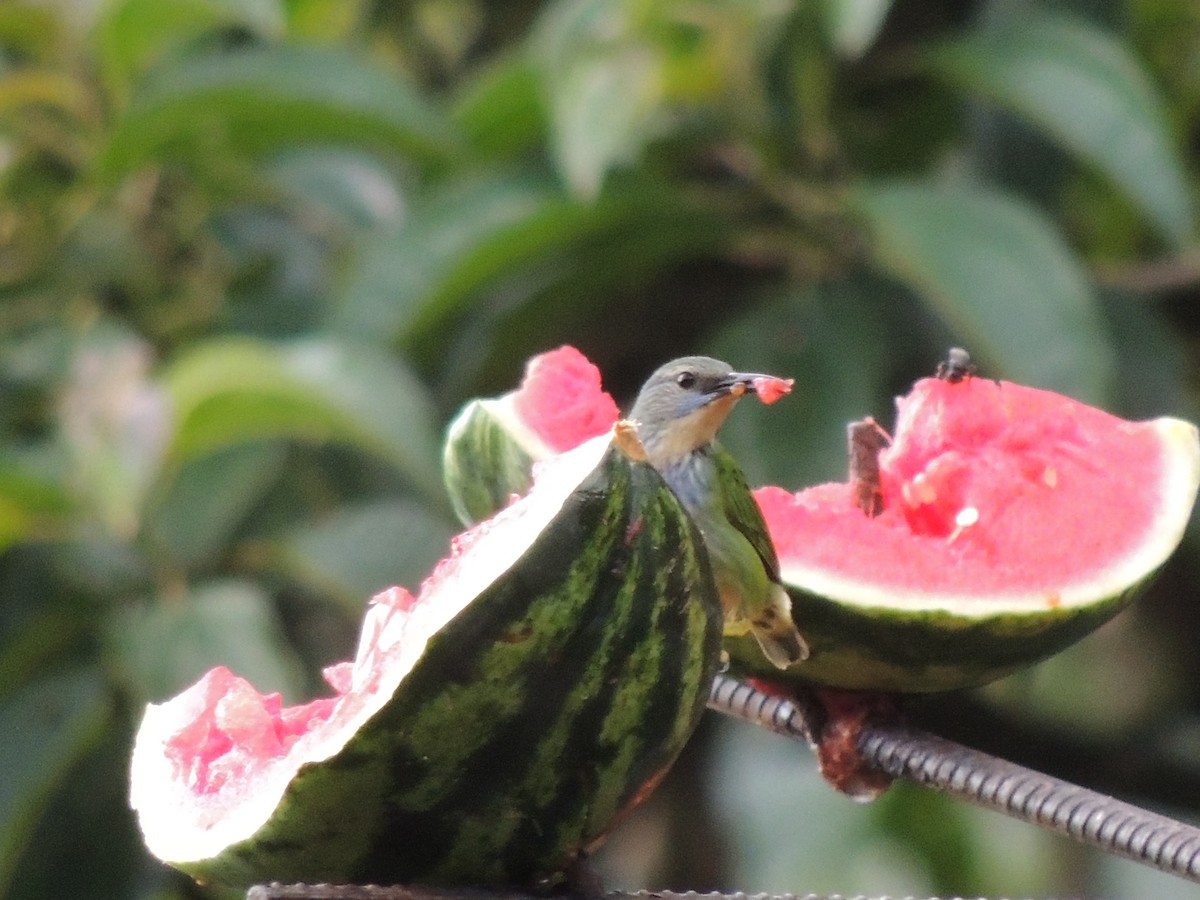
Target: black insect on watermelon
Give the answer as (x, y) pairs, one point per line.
(489, 730)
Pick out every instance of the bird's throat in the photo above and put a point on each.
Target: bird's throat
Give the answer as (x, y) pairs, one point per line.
(687, 434)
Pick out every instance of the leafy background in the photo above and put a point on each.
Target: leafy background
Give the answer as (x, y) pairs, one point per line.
(255, 253)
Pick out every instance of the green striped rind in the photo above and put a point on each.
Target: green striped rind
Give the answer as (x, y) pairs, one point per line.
(533, 719)
(484, 464)
(887, 649)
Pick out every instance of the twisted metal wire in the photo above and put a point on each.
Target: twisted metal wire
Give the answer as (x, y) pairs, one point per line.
(400, 892)
(900, 751)
(795, 717)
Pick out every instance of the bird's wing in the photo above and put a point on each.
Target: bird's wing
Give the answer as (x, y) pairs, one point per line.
(742, 512)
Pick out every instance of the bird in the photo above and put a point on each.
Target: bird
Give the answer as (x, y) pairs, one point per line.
(678, 413)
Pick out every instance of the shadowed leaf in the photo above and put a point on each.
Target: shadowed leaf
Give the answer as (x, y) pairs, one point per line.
(45, 728)
(1087, 91)
(365, 548)
(238, 390)
(258, 100)
(166, 646)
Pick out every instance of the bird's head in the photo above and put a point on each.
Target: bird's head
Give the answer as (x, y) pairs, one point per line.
(683, 404)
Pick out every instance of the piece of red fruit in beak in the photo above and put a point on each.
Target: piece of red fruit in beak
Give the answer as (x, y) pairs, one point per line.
(769, 388)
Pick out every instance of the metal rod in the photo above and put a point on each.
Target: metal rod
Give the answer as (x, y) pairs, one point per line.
(1088, 816)
(900, 751)
(277, 891)
(800, 715)
(403, 892)
(796, 717)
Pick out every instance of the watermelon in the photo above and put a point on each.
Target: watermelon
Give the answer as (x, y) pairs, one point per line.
(489, 730)
(492, 443)
(770, 389)
(1014, 521)
(1002, 523)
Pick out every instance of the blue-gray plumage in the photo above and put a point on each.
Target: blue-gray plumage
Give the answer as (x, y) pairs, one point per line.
(678, 413)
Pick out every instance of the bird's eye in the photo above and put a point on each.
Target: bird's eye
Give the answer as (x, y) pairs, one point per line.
(686, 380)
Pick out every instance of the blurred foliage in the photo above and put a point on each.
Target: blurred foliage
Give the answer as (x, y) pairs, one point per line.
(254, 253)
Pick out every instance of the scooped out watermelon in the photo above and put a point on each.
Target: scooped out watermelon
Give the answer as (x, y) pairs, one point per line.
(1011, 521)
(488, 731)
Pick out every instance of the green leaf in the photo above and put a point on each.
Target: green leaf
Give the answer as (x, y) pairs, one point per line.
(45, 728)
(165, 646)
(208, 498)
(44, 636)
(349, 185)
(605, 86)
(32, 31)
(604, 112)
(133, 34)
(429, 265)
(234, 391)
(32, 503)
(1087, 91)
(1153, 361)
(1000, 277)
(21, 90)
(87, 844)
(497, 248)
(853, 25)
(258, 100)
(363, 549)
(501, 111)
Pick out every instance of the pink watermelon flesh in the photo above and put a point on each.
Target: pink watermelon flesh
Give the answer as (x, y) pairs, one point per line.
(768, 388)
(561, 399)
(988, 489)
(237, 733)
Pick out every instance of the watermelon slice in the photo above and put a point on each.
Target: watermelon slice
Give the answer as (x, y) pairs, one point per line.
(1011, 522)
(1014, 520)
(488, 730)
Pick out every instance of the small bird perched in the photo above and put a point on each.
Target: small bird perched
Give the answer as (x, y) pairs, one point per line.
(678, 413)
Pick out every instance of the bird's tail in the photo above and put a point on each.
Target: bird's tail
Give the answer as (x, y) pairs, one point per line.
(776, 633)
(772, 626)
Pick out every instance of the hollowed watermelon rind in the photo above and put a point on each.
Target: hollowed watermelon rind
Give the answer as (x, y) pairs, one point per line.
(484, 464)
(532, 718)
(864, 637)
(492, 443)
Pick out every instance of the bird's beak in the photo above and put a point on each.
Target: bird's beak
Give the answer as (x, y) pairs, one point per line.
(733, 386)
(739, 383)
